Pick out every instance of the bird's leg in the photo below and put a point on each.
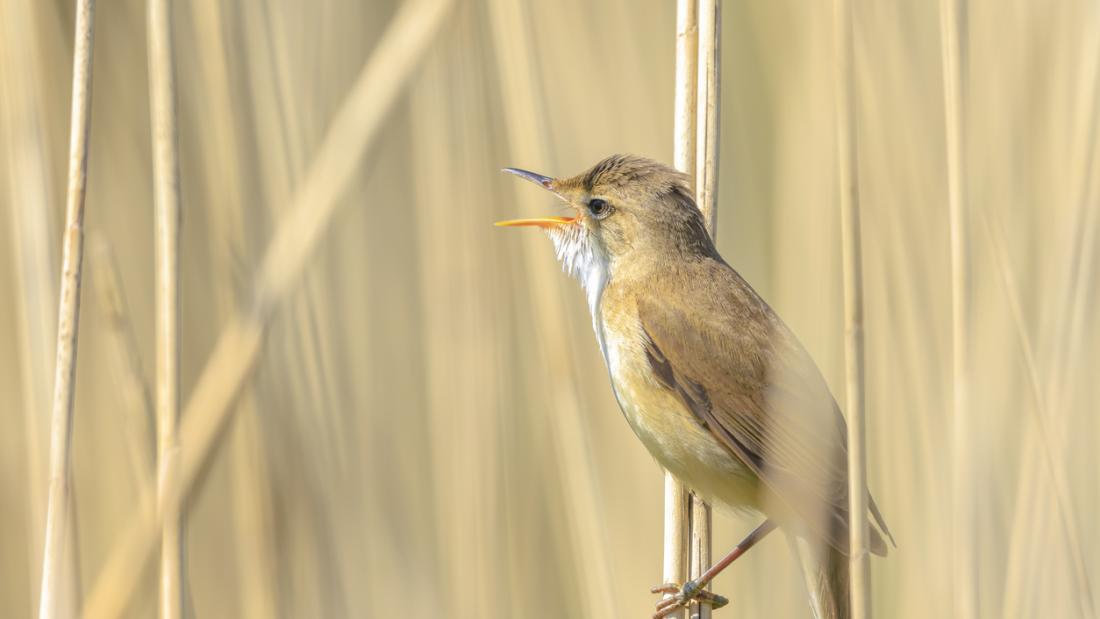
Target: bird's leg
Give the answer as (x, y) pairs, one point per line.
(695, 590)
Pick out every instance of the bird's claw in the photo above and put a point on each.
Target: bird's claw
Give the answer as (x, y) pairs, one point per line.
(682, 596)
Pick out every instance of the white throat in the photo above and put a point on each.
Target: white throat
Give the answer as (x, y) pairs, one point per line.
(585, 260)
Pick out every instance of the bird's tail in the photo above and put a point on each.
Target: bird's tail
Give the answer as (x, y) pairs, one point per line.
(826, 572)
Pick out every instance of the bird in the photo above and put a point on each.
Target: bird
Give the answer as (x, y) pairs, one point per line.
(709, 378)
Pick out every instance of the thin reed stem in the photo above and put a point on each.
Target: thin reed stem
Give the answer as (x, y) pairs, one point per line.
(1047, 443)
(708, 105)
(700, 520)
(34, 251)
(59, 501)
(848, 174)
(687, 62)
(677, 525)
(162, 99)
(964, 498)
(313, 204)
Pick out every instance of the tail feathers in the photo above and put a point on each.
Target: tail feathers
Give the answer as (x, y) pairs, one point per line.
(881, 522)
(877, 544)
(877, 531)
(825, 570)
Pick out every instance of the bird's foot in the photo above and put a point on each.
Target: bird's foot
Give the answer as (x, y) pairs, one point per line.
(681, 597)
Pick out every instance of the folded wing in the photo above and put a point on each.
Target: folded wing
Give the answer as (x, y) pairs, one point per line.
(751, 383)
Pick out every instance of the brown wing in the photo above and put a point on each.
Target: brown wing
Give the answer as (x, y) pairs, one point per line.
(748, 379)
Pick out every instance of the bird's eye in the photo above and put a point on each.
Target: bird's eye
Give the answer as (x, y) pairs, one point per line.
(599, 208)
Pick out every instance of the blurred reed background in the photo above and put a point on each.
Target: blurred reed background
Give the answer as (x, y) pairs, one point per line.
(429, 430)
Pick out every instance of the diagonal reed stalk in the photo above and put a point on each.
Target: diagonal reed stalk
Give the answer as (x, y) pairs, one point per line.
(59, 501)
(351, 132)
(676, 523)
(162, 104)
(964, 497)
(848, 174)
(1047, 443)
(1073, 301)
(707, 105)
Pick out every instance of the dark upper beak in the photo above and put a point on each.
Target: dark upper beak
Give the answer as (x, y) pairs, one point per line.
(538, 179)
(542, 222)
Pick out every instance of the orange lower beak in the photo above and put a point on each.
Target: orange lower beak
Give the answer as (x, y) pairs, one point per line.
(540, 222)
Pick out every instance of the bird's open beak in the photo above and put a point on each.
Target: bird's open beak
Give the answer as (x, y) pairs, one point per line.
(541, 222)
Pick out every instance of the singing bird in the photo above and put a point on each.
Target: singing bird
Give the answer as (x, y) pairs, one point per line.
(714, 384)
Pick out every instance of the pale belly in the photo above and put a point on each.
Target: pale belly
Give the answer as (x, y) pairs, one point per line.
(672, 433)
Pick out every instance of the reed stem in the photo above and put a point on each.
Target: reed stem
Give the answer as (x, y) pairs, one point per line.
(59, 500)
(707, 104)
(162, 99)
(964, 499)
(848, 174)
(676, 501)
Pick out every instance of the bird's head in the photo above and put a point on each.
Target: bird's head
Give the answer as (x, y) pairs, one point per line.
(624, 210)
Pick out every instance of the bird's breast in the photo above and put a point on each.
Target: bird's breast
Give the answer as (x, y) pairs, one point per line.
(668, 429)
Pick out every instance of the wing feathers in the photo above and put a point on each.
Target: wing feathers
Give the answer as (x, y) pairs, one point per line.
(743, 374)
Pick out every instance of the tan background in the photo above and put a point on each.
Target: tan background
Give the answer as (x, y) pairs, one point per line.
(417, 441)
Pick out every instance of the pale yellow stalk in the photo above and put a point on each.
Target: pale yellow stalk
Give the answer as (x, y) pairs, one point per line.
(34, 250)
(707, 114)
(708, 106)
(964, 491)
(1049, 447)
(677, 526)
(848, 175)
(59, 499)
(162, 104)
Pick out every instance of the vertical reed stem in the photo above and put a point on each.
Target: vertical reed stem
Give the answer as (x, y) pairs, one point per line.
(848, 173)
(706, 197)
(162, 98)
(34, 250)
(700, 521)
(676, 523)
(59, 508)
(952, 40)
(707, 102)
(687, 58)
